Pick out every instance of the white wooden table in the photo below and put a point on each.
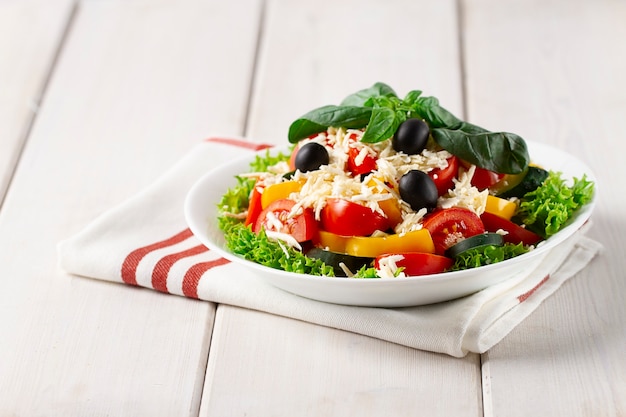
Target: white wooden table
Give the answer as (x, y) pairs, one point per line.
(98, 97)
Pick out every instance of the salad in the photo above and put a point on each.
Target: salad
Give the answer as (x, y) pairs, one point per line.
(383, 187)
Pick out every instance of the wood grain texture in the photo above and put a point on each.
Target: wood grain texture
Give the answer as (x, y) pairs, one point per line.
(136, 85)
(314, 53)
(30, 34)
(553, 72)
(264, 365)
(317, 52)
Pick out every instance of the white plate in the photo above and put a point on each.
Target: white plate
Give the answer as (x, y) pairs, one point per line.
(201, 215)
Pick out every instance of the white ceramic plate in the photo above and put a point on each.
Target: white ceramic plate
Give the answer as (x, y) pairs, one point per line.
(201, 215)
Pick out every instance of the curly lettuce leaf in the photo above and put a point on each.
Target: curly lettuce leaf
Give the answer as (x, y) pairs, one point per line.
(236, 199)
(547, 209)
(487, 255)
(241, 240)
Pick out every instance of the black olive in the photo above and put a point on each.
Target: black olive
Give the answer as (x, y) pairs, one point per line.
(418, 190)
(311, 156)
(411, 137)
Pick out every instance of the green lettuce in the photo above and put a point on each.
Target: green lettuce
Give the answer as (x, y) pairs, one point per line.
(241, 240)
(547, 209)
(237, 198)
(487, 255)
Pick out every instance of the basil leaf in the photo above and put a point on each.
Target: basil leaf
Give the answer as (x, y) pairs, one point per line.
(411, 97)
(360, 97)
(470, 128)
(390, 102)
(318, 120)
(382, 125)
(496, 151)
(428, 108)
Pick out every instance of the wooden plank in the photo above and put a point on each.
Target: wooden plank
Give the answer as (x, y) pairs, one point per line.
(31, 32)
(317, 52)
(138, 83)
(263, 365)
(553, 72)
(313, 53)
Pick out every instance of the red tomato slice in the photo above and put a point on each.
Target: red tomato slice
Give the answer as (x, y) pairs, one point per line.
(292, 158)
(516, 233)
(420, 263)
(346, 218)
(449, 226)
(368, 165)
(276, 218)
(484, 178)
(443, 177)
(254, 206)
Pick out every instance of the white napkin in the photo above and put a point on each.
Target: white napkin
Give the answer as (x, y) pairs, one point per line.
(145, 241)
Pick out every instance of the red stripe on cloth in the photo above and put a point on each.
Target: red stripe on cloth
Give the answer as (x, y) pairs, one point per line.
(162, 268)
(530, 292)
(241, 143)
(129, 266)
(193, 275)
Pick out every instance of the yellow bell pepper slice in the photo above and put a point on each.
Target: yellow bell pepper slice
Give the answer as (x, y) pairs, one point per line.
(371, 247)
(391, 206)
(331, 241)
(500, 207)
(279, 191)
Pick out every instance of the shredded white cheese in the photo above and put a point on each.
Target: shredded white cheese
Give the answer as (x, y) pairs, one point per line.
(346, 270)
(464, 194)
(410, 221)
(283, 237)
(388, 268)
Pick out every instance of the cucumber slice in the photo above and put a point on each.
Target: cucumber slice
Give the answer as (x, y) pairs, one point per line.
(533, 179)
(334, 259)
(473, 242)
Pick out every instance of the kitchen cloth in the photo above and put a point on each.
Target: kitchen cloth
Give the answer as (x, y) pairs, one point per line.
(145, 242)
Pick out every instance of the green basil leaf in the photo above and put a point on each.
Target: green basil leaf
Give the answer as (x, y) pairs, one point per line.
(411, 97)
(501, 152)
(303, 128)
(318, 120)
(382, 125)
(470, 128)
(383, 101)
(428, 109)
(360, 97)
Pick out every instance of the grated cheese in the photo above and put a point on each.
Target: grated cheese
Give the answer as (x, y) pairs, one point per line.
(285, 238)
(333, 180)
(464, 194)
(388, 268)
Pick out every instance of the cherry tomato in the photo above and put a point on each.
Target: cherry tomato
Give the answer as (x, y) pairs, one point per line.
(516, 233)
(443, 177)
(346, 218)
(368, 165)
(276, 218)
(420, 263)
(292, 158)
(254, 206)
(484, 178)
(449, 226)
